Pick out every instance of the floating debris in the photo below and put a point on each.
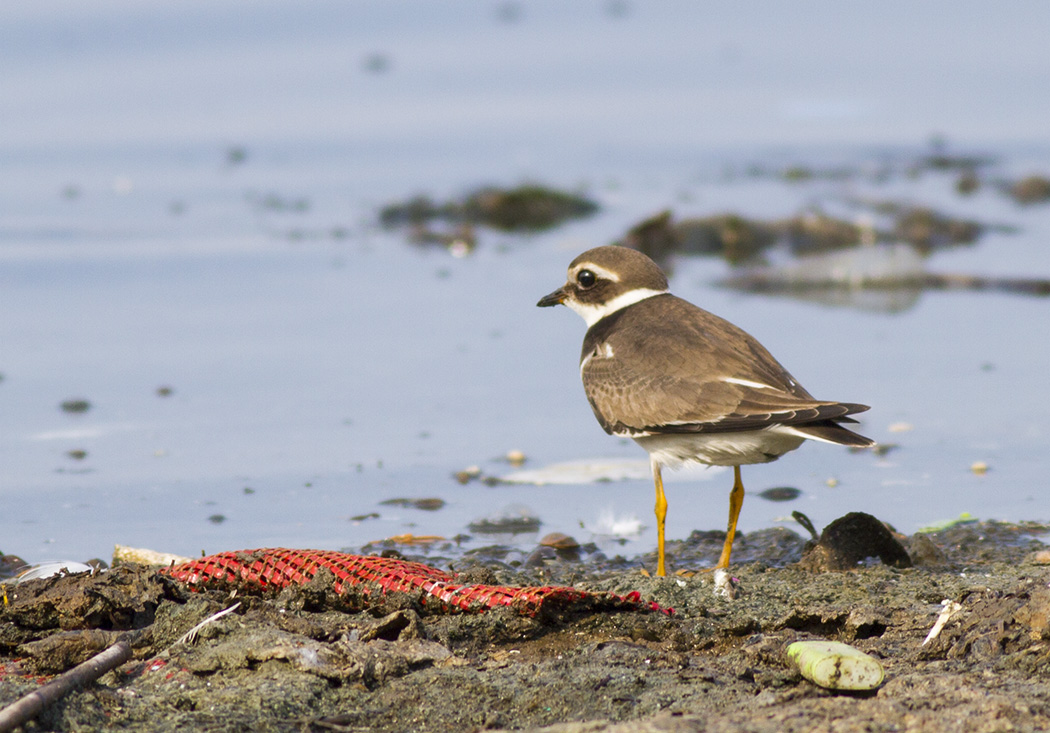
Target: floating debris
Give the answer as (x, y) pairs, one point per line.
(880, 449)
(515, 458)
(657, 237)
(836, 666)
(376, 63)
(741, 240)
(927, 229)
(530, 208)
(733, 237)
(979, 468)
(468, 474)
(460, 241)
(525, 208)
(515, 519)
(412, 540)
(781, 493)
(75, 406)
(1031, 190)
(967, 183)
(964, 518)
(277, 203)
(427, 505)
(236, 155)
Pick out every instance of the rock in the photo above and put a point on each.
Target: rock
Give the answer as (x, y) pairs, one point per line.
(850, 541)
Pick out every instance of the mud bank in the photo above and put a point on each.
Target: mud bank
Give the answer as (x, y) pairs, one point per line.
(292, 662)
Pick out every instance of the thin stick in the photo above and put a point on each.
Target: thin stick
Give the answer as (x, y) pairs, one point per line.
(29, 706)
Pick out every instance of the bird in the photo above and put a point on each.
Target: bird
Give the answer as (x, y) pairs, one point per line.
(685, 384)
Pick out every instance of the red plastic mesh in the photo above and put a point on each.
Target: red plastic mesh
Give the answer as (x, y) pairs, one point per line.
(368, 578)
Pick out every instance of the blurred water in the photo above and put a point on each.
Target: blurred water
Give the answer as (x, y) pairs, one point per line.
(188, 200)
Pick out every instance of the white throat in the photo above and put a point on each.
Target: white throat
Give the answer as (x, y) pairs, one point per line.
(594, 313)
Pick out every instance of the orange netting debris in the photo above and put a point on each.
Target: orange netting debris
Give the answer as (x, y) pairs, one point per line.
(368, 578)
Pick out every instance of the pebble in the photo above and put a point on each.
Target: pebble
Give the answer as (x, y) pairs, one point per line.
(559, 541)
(515, 458)
(1041, 557)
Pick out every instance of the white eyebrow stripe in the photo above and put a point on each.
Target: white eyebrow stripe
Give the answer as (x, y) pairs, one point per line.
(596, 269)
(748, 383)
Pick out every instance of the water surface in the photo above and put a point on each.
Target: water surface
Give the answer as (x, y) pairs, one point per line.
(189, 201)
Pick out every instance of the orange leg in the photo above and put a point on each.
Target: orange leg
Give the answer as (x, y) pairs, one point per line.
(736, 501)
(661, 517)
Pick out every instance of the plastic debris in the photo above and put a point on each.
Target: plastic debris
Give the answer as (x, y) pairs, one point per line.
(948, 609)
(964, 518)
(836, 666)
(365, 580)
(142, 556)
(48, 569)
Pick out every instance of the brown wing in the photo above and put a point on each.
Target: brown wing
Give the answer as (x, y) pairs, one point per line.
(660, 366)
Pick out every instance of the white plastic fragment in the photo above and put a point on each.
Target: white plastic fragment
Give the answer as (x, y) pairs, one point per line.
(190, 637)
(948, 609)
(48, 569)
(142, 556)
(836, 666)
(725, 586)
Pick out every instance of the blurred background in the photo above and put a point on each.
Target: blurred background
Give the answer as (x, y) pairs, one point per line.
(268, 271)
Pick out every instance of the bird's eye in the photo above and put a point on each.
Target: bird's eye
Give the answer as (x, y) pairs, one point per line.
(586, 278)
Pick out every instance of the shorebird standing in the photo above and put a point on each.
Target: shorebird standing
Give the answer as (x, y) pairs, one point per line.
(683, 383)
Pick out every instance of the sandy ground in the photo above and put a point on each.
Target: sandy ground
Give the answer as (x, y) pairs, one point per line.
(292, 662)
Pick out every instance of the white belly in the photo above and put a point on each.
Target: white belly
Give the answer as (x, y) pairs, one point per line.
(721, 449)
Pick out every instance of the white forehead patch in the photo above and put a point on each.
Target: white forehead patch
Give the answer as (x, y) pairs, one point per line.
(594, 313)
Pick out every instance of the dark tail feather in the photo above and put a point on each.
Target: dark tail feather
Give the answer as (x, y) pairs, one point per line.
(830, 431)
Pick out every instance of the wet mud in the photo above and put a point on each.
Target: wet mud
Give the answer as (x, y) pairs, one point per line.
(295, 662)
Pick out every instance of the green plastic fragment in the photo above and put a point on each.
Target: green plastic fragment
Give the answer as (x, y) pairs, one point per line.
(835, 665)
(964, 518)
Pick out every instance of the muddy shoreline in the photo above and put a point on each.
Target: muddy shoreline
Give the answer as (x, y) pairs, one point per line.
(292, 662)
